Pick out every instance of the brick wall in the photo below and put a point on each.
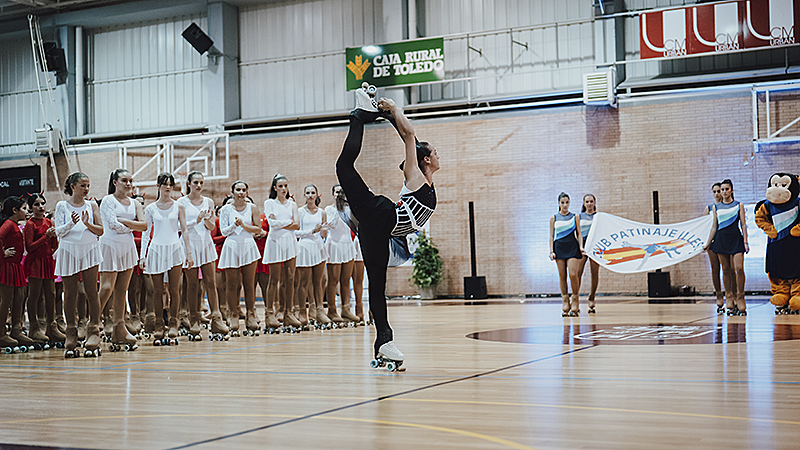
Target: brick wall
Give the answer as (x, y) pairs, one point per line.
(514, 165)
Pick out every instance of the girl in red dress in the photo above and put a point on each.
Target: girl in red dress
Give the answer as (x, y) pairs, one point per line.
(12, 276)
(41, 243)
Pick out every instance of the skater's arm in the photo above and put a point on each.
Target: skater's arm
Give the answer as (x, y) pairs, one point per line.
(743, 223)
(185, 234)
(97, 226)
(138, 224)
(226, 224)
(269, 212)
(552, 230)
(255, 218)
(209, 216)
(713, 229)
(295, 218)
(64, 221)
(323, 231)
(29, 233)
(110, 217)
(146, 236)
(578, 233)
(413, 175)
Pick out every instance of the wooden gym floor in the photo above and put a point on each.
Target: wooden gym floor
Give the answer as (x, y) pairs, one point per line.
(509, 373)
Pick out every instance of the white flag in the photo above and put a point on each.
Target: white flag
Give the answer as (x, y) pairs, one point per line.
(625, 246)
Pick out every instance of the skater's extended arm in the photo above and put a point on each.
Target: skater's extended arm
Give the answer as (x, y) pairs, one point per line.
(743, 223)
(713, 229)
(413, 175)
(552, 230)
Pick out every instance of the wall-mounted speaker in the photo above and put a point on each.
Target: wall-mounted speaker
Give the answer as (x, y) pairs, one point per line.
(199, 40)
(54, 57)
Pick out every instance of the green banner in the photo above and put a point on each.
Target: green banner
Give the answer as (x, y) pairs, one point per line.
(394, 64)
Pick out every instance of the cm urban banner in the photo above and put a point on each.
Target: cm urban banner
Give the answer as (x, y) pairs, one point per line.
(625, 246)
(407, 62)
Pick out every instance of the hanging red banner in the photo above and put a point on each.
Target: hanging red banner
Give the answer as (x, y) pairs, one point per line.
(718, 28)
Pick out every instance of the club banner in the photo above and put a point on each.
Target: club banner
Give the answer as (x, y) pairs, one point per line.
(625, 246)
(718, 27)
(407, 62)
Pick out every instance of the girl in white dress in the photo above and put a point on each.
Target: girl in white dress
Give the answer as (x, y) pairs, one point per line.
(165, 253)
(311, 257)
(200, 221)
(78, 225)
(239, 221)
(280, 251)
(341, 256)
(121, 216)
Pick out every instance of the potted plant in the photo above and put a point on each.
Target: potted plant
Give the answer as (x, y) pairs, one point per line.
(427, 270)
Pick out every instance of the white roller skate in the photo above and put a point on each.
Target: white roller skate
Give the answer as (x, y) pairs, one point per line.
(366, 106)
(389, 356)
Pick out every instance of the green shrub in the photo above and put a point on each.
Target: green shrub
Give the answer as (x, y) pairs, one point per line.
(427, 263)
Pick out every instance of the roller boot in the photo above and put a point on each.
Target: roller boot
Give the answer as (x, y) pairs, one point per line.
(234, 326)
(302, 316)
(351, 319)
(564, 305)
(172, 331)
(71, 343)
(9, 345)
(591, 305)
(291, 324)
(574, 309)
(251, 325)
(62, 324)
(219, 331)
(271, 324)
(194, 331)
(322, 321)
(40, 340)
(185, 325)
(741, 304)
(158, 334)
(149, 323)
(366, 106)
(134, 324)
(54, 336)
(82, 330)
(335, 318)
(388, 356)
(25, 343)
(121, 340)
(92, 345)
(108, 326)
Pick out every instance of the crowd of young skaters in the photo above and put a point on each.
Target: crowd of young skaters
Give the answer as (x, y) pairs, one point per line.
(114, 270)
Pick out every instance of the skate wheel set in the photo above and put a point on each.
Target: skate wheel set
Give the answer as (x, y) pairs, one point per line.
(121, 347)
(721, 309)
(165, 342)
(251, 333)
(391, 365)
(72, 353)
(736, 312)
(591, 312)
(785, 310)
(195, 337)
(218, 337)
(93, 353)
(10, 350)
(235, 333)
(272, 330)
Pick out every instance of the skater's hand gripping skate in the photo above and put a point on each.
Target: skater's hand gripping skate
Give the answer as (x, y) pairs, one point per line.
(386, 104)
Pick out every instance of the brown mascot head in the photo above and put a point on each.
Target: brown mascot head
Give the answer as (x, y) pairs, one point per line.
(783, 188)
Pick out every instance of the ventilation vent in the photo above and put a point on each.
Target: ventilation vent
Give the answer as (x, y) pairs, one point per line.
(598, 88)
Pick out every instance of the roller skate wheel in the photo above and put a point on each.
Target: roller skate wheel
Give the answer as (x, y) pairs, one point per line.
(23, 349)
(742, 313)
(371, 90)
(374, 364)
(591, 312)
(8, 350)
(390, 366)
(175, 341)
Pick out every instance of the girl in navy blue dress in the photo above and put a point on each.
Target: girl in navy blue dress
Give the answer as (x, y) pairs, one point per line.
(566, 248)
(730, 245)
(713, 259)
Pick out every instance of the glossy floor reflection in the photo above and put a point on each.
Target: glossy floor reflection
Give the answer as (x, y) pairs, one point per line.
(505, 374)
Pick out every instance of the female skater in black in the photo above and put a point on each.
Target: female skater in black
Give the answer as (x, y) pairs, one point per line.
(380, 218)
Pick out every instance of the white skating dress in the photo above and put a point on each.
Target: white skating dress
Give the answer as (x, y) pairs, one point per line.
(78, 248)
(339, 244)
(311, 249)
(240, 248)
(165, 250)
(281, 243)
(116, 244)
(202, 246)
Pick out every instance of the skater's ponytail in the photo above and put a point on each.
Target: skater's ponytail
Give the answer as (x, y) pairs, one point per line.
(114, 177)
(72, 180)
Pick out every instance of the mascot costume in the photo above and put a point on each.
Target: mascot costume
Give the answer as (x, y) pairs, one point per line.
(778, 217)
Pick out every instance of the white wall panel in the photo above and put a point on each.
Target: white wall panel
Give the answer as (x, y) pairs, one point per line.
(146, 76)
(20, 113)
(282, 72)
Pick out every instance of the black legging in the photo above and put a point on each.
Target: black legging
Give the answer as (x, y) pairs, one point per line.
(377, 218)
